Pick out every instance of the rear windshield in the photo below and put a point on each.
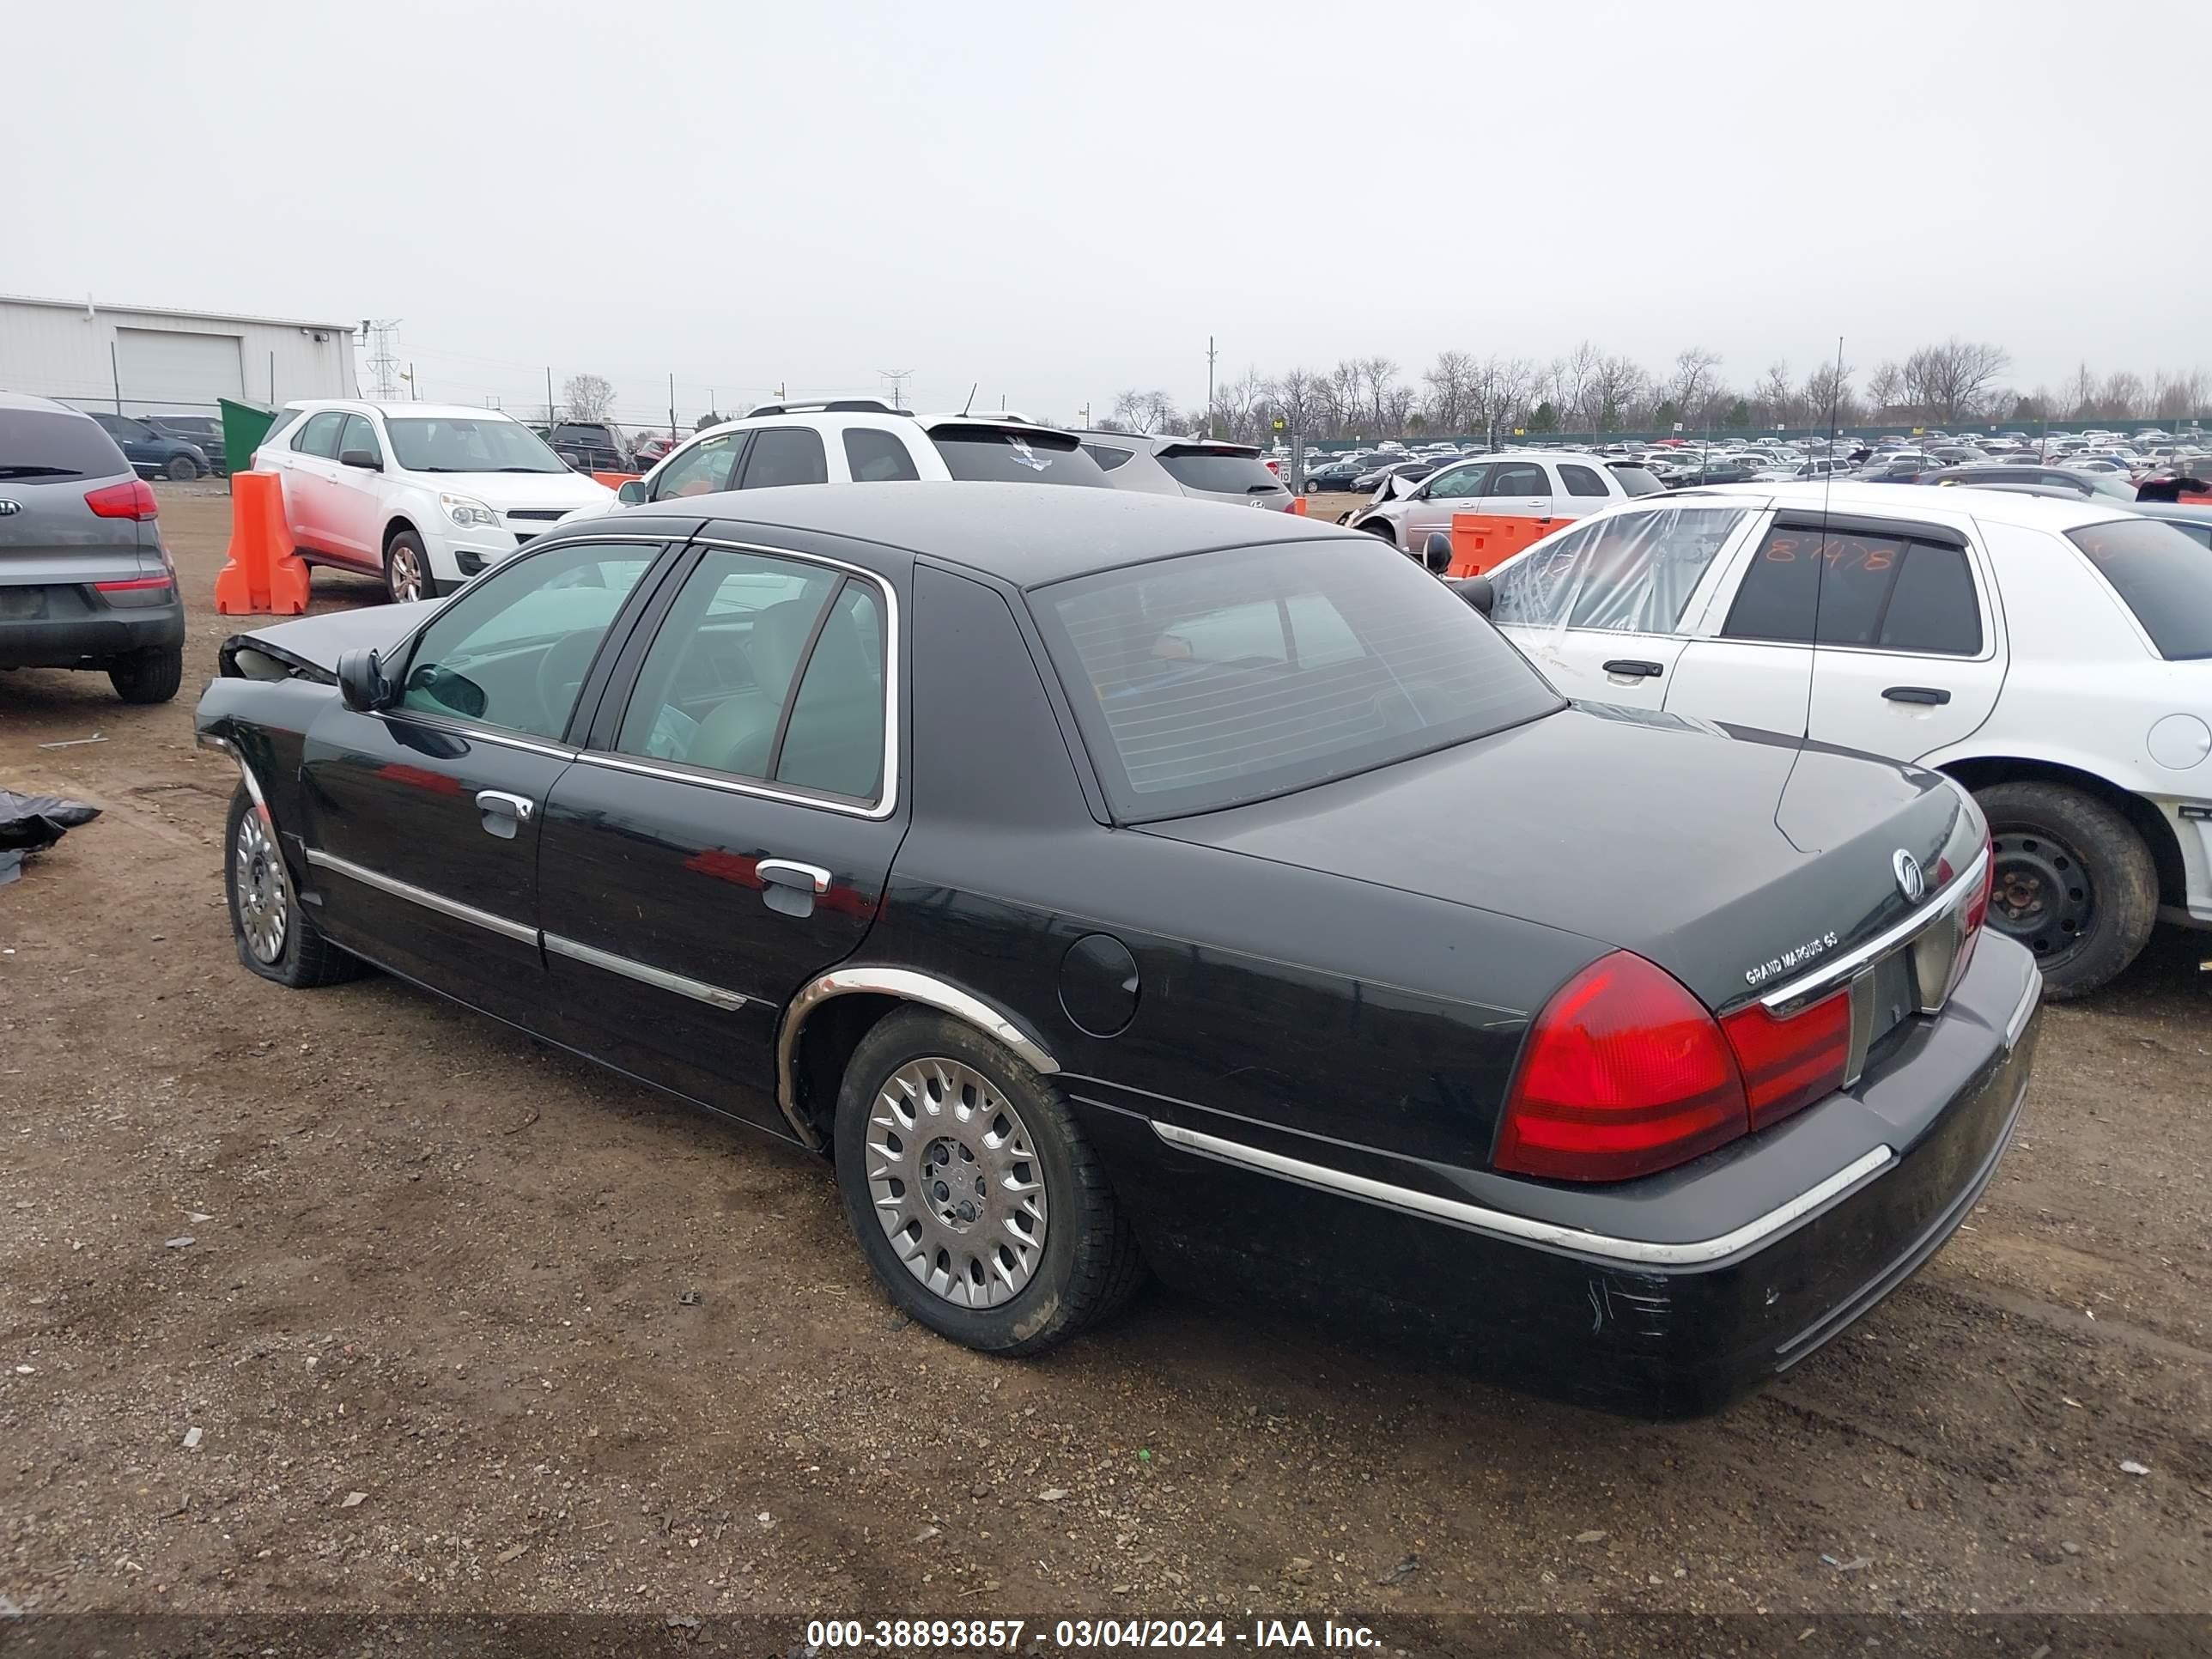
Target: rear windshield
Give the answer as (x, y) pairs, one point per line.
(36, 443)
(992, 454)
(2164, 577)
(1223, 472)
(1221, 678)
(1636, 480)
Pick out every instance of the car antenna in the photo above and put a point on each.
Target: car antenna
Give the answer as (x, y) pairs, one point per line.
(1820, 554)
(971, 397)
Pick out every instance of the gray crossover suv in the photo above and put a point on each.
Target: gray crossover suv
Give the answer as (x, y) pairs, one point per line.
(85, 581)
(1199, 467)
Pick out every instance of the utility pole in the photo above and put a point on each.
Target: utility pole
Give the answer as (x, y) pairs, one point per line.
(1085, 422)
(671, 406)
(1210, 355)
(552, 413)
(384, 360)
(897, 377)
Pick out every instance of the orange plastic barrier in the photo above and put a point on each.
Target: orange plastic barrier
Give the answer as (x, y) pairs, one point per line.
(615, 480)
(1299, 505)
(262, 574)
(1482, 541)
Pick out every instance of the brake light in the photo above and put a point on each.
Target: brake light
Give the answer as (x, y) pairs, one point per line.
(1977, 913)
(1624, 1073)
(1788, 1063)
(134, 500)
(133, 586)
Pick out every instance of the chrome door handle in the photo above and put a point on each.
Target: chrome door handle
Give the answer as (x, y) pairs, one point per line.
(788, 873)
(520, 808)
(504, 815)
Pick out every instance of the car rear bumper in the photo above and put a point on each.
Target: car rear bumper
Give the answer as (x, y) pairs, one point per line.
(73, 632)
(1661, 1325)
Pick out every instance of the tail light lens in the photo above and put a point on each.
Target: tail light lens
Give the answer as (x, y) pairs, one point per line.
(134, 500)
(1977, 913)
(1788, 1063)
(1624, 1073)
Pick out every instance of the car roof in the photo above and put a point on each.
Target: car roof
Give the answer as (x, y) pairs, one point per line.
(24, 400)
(1023, 533)
(1916, 500)
(429, 411)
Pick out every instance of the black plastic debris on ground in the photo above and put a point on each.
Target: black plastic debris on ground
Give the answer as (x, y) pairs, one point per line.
(29, 823)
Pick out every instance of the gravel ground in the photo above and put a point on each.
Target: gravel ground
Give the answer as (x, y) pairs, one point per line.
(351, 1301)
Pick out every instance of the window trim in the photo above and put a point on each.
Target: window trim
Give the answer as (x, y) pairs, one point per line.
(1713, 625)
(403, 649)
(677, 772)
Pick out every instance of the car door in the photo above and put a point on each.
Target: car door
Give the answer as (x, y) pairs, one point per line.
(1604, 608)
(1428, 510)
(1909, 650)
(310, 475)
(353, 496)
(423, 818)
(1514, 510)
(726, 835)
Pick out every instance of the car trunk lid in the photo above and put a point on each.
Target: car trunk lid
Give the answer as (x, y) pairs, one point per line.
(1737, 860)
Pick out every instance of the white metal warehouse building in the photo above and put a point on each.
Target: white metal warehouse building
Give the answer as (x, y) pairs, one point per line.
(139, 361)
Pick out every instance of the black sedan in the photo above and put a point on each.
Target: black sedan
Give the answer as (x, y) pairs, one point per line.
(1103, 881)
(1334, 475)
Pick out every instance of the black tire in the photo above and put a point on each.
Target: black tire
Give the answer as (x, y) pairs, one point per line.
(304, 958)
(1088, 1265)
(2074, 883)
(1312, 489)
(182, 468)
(407, 569)
(1383, 528)
(148, 675)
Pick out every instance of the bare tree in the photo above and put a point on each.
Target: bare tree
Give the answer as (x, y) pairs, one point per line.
(1615, 386)
(1451, 381)
(1376, 376)
(2122, 396)
(1886, 385)
(586, 398)
(1950, 381)
(1571, 378)
(1398, 400)
(1826, 399)
(1692, 380)
(1297, 398)
(1145, 411)
(2079, 395)
(1775, 397)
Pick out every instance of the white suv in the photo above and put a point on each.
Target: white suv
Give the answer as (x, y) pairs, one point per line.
(421, 494)
(2053, 657)
(1515, 498)
(861, 440)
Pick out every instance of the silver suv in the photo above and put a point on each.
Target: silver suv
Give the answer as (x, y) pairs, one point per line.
(85, 581)
(1199, 467)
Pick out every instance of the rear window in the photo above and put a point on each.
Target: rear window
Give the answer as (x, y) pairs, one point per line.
(1221, 678)
(36, 443)
(2162, 576)
(1221, 472)
(1636, 480)
(1875, 592)
(995, 455)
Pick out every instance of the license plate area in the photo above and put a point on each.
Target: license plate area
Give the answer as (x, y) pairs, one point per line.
(23, 603)
(1883, 996)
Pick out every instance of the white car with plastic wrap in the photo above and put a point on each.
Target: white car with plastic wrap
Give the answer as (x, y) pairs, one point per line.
(2054, 657)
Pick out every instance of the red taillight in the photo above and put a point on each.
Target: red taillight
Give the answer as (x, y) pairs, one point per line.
(133, 586)
(1624, 1073)
(1790, 1063)
(134, 500)
(1978, 912)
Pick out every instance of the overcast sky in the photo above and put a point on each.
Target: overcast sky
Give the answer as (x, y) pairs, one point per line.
(1055, 201)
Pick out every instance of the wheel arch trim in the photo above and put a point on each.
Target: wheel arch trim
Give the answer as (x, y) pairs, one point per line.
(907, 985)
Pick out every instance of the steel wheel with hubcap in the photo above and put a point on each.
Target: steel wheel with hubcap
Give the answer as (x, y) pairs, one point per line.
(2041, 894)
(957, 1181)
(264, 905)
(980, 1207)
(276, 937)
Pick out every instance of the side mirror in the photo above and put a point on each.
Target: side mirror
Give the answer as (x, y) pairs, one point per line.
(361, 684)
(364, 459)
(631, 493)
(1477, 591)
(1439, 552)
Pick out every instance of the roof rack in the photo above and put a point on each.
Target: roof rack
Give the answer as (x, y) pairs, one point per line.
(828, 406)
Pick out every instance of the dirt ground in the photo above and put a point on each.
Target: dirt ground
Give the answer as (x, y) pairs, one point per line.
(349, 1300)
